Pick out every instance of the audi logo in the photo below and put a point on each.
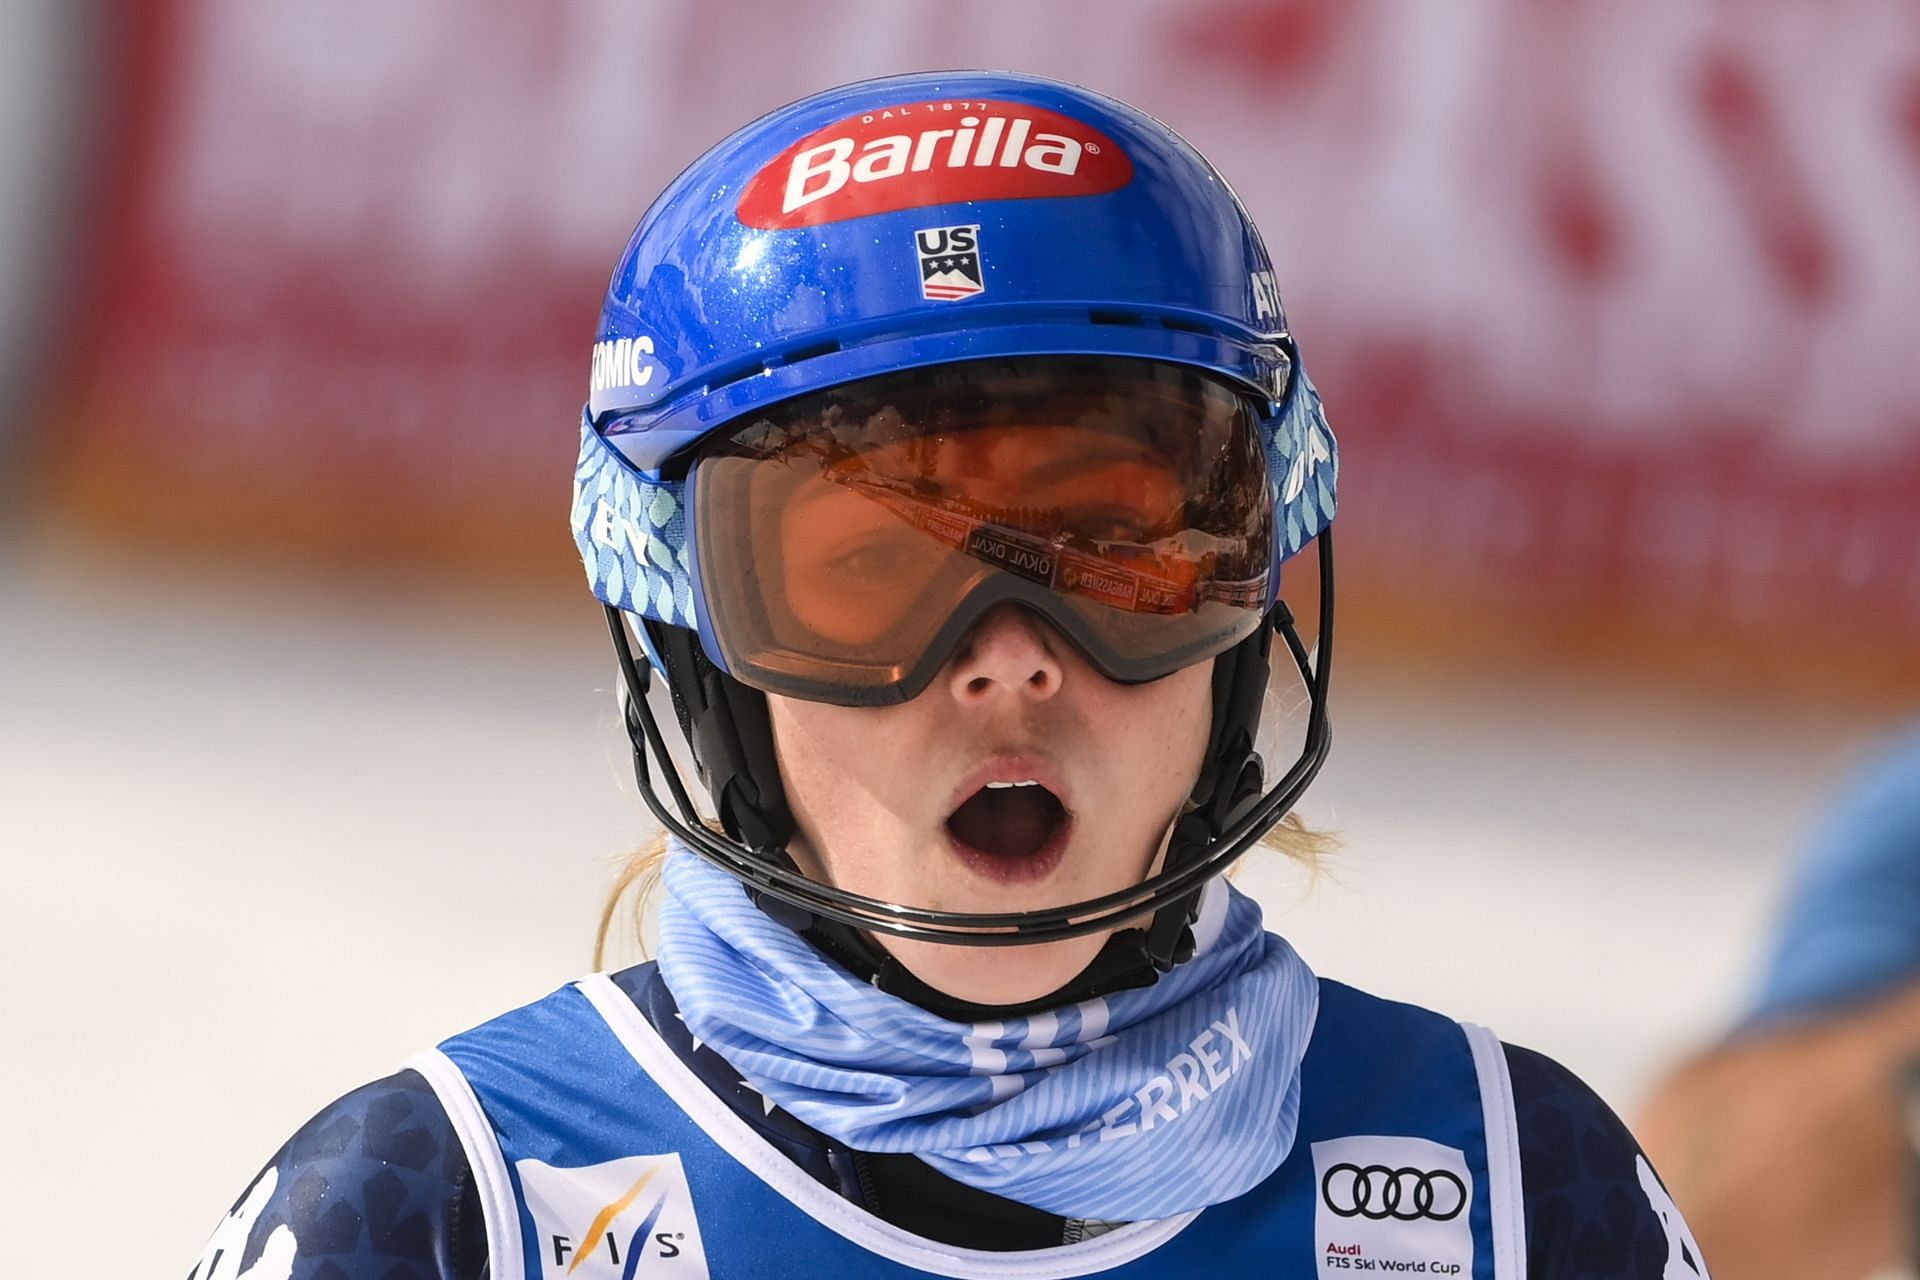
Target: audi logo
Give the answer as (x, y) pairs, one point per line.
(1406, 1195)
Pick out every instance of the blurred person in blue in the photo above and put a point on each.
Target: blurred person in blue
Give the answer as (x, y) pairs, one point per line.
(1789, 1142)
(945, 441)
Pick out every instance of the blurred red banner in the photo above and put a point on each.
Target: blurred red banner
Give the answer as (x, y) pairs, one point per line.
(1613, 304)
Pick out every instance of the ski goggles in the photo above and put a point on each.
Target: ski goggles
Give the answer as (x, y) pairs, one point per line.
(845, 542)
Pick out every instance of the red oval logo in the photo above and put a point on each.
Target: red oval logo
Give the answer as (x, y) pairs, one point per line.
(922, 153)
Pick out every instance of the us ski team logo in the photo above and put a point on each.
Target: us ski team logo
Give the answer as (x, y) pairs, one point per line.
(949, 262)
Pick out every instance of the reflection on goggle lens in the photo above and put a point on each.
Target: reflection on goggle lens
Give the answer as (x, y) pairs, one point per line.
(848, 539)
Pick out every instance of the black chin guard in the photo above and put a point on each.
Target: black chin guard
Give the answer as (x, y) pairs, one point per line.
(725, 724)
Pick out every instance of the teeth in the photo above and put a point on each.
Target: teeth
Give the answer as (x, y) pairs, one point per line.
(1002, 786)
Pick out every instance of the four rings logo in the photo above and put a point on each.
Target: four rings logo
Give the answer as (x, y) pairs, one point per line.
(1405, 1194)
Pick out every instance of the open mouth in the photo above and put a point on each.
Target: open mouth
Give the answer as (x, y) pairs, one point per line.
(1011, 830)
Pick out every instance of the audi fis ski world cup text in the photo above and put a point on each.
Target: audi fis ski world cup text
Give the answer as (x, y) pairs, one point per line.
(1337, 1259)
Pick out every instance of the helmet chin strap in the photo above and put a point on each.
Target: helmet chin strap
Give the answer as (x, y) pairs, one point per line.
(726, 725)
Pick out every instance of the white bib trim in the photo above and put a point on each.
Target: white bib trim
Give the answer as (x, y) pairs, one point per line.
(874, 1234)
(499, 1206)
(1504, 1191)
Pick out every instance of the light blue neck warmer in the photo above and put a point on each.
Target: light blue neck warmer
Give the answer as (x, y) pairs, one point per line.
(1138, 1105)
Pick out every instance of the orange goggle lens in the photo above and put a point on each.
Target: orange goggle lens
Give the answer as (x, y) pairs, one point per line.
(849, 539)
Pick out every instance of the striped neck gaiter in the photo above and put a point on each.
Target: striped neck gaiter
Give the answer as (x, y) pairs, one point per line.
(1139, 1105)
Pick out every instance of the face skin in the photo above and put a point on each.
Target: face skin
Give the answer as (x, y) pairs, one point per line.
(872, 787)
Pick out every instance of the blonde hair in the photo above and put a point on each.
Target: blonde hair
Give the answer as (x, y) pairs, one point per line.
(639, 877)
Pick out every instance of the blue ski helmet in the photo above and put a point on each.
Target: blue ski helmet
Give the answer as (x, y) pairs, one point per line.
(902, 224)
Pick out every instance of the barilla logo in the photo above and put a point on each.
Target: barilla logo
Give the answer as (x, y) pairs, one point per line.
(925, 153)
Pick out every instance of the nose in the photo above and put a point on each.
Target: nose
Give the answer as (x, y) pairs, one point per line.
(1010, 652)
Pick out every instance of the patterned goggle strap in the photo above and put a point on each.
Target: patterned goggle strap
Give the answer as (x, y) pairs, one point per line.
(632, 533)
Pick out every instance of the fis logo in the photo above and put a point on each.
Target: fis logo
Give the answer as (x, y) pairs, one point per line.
(614, 1221)
(949, 262)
